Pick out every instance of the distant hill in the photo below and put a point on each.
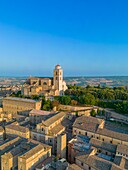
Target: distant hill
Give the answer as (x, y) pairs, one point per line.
(95, 81)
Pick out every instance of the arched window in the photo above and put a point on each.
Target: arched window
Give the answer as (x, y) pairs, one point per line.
(44, 83)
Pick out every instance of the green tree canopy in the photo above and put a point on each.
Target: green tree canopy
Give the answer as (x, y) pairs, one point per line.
(87, 99)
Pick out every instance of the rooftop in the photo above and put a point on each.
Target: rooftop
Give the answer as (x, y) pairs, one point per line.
(122, 149)
(121, 161)
(20, 99)
(104, 145)
(10, 142)
(95, 162)
(112, 134)
(17, 128)
(91, 124)
(74, 167)
(87, 123)
(35, 150)
(55, 130)
(53, 119)
(15, 151)
(40, 112)
(115, 167)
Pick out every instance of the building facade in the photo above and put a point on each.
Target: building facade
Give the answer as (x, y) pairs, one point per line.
(30, 159)
(93, 127)
(61, 145)
(14, 105)
(48, 130)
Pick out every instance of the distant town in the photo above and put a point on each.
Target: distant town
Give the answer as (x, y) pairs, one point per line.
(14, 84)
(57, 123)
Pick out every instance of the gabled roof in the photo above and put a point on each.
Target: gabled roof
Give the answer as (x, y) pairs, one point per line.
(17, 128)
(112, 134)
(122, 149)
(53, 119)
(103, 145)
(95, 162)
(87, 123)
(20, 99)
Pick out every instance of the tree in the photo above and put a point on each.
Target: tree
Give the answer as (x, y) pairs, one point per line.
(66, 100)
(77, 114)
(98, 111)
(103, 112)
(87, 99)
(47, 105)
(35, 97)
(88, 86)
(93, 113)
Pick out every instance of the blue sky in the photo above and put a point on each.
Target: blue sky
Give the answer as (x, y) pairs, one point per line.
(87, 37)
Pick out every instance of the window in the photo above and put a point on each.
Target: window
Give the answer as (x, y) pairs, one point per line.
(44, 83)
(86, 133)
(82, 164)
(79, 132)
(99, 151)
(111, 141)
(89, 168)
(56, 73)
(102, 139)
(97, 138)
(56, 78)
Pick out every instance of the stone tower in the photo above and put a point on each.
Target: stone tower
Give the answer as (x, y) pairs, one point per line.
(61, 145)
(58, 79)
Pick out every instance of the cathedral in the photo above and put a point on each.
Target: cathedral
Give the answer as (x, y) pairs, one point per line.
(46, 86)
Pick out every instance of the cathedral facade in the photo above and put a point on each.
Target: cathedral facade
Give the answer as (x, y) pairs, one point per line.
(46, 86)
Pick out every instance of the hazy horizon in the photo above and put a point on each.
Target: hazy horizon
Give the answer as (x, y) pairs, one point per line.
(64, 76)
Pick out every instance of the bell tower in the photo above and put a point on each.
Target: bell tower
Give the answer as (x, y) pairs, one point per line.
(58, 78)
